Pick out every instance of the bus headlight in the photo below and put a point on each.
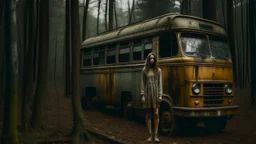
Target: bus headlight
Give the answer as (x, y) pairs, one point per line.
(228, 89)
(196, 88)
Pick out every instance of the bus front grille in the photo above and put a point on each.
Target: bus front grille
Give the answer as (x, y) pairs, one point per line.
(213, 94)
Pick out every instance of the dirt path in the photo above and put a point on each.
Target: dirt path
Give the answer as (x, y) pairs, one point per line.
(238, 131)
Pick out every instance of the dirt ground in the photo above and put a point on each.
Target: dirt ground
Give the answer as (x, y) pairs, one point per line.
(239, 130)
(57, 118)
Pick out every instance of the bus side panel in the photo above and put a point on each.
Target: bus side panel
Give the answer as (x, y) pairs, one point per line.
(171, 82)
(127, 80)
(86, 80)
(136, 88)
(123, 84)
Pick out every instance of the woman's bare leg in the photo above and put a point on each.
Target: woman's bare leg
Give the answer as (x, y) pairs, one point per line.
(148, 121)
(156, 121)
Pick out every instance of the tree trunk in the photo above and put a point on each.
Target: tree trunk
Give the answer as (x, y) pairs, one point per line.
(243, 47)
(110, 14)
(186, 7)
(106, 15)
(115, 15)
(24, 96)
(98, 17)
(41, 89)
(79, 119)
(1, 10)
(2, 55)
(85, 19)
(9, 135)
(131, 11)
(35, 57)
(67, 49)
(230, 28)
(252, 30)
(28, 69)
(209, 9)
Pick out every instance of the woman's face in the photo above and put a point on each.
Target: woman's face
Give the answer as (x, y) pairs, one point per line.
(152, 59)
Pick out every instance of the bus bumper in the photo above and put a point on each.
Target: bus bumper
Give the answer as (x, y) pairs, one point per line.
(228, 111)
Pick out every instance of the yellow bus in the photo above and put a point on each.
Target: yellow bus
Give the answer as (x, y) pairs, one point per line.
(194, 56)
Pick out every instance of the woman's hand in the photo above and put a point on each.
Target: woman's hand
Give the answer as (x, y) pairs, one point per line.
(160, 99)
(143, 99)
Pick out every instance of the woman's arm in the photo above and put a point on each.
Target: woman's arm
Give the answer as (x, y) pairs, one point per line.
(142, 83)
(160, 86)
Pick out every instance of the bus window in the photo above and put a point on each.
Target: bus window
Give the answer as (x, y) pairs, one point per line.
(99, 56)
(137, 50)
(124, 52)
(111, 56)
(168, 45)
(87, 57)
(147, 49)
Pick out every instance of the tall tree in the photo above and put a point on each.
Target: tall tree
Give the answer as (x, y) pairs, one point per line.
(9, 135)
(116, 20)
(2, 76)
(110, 14)
(85, 19)
(131, 11)
(1, 10)
(41, 88)
(98, 17)
(106, 16)
(28, 67)
(151, 8)
(186, 7)
(231, 35)
(79, 122)
(252, 36)
(67, 49)
(209, 9)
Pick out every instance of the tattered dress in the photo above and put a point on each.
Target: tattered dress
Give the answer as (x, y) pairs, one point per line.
(151, 88)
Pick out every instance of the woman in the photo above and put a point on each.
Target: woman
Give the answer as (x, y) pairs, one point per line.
(151, 92)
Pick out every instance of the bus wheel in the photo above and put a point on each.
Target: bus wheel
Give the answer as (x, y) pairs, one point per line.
(127, 109)
(215, 124)
(167, 124)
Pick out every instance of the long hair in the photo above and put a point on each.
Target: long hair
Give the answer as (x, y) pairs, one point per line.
(155, 64)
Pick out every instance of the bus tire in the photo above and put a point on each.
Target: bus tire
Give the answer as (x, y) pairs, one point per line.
(127, 109)
(90, 93)
(167, 123)
(214, 125)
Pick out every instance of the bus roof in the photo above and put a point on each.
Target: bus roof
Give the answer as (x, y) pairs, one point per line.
(169, 21)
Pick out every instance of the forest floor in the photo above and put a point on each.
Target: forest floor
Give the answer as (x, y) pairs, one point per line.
(57, 123)
(239, 130)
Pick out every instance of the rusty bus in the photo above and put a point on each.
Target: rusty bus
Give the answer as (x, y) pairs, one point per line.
(196, 69)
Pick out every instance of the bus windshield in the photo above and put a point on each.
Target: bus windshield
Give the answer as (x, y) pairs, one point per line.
(198, 45)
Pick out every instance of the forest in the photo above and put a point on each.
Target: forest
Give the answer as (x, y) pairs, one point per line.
(40, 48)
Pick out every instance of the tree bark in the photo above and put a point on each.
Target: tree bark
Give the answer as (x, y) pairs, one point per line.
(41, 89)
(9, 135)
(230, 28)
(98, 17)
(106, 15)
(131, 11)
(67, 49)
(28, 69)
(110, 14)
(78, 115)
(252, 36)
(35, 57)
(209, 9)
(2, 55)
(1, 10)
(186, 7)
(85, 19)
(115, 14)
